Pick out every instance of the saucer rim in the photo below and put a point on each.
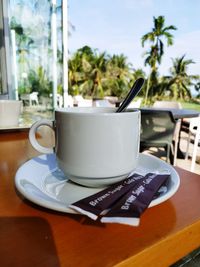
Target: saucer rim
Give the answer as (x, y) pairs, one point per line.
(57, 205)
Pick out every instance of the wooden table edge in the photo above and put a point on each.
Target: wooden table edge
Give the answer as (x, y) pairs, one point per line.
(157, 255)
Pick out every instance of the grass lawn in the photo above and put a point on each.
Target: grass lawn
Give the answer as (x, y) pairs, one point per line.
(191, 105)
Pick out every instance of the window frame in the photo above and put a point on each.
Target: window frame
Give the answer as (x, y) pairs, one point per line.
(5, 52)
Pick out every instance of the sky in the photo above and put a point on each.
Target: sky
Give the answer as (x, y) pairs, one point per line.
(116, 26)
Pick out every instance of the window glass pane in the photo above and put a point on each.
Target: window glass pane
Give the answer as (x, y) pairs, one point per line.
(1, 88)
(30, 22)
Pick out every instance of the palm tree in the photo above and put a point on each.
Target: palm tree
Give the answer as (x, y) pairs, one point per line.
(95, 74)
(118, 75)
(139, 73)
(75, 74)
(87, 72)
(155, 37)
(180, 81)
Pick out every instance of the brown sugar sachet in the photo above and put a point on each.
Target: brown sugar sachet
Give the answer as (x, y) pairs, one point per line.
(130, 207)
(94, 205)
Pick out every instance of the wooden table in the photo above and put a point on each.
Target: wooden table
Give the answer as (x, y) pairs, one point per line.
(34, 236)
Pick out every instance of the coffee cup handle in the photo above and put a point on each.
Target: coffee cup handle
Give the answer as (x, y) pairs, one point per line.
(32, 136)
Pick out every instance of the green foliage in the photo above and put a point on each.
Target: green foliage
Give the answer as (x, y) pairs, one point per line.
(155, 53)
(159, 32)
(23, 90)
(97, 74)
(39, 82)
(180, 81)
(191, 104)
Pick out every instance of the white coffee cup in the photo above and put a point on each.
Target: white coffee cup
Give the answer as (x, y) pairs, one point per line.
(9, 113)
(94, 146)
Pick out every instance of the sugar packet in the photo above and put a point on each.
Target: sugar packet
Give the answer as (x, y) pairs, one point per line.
(98, 203)
(130, 207)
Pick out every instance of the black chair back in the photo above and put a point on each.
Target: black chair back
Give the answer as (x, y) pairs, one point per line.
(157, 125)
(157, 129)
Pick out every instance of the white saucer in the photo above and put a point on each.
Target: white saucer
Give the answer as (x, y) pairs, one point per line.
(40, 181)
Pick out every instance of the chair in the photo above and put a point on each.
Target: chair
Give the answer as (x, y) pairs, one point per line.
(194, 130)
(167, 104)
(179, 123)
(31, 98)
(68, 100)
(158, 129)
(59, 99)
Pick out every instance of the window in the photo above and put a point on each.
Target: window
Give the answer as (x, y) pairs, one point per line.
(3, 60)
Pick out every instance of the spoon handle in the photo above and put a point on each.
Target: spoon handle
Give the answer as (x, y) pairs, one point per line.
(132, 93)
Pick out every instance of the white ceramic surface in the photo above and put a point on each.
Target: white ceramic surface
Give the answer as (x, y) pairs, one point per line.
(9, 113)
(40, 181)
(94, 142)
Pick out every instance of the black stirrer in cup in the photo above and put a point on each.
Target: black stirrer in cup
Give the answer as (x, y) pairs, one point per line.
(132, 93)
